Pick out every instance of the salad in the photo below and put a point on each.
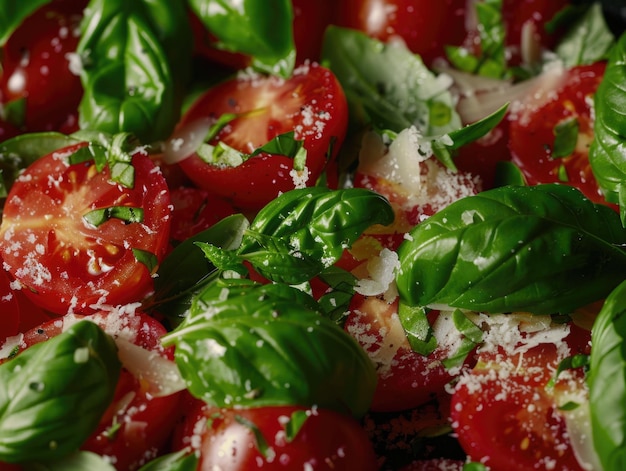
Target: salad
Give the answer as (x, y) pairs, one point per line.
(312, 235)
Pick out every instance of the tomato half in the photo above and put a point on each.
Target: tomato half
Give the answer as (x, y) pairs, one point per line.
(244, 439)
(36, 68)
(506, 415)
(424, 25)
(406, 379)
(65, 262)
(534, 126)
(9, 308)
(311, 104)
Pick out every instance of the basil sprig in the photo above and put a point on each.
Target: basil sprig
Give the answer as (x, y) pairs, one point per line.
(607, 382)
(606, 154)
(259, 345)
(543, 249)
(262, 30)
(53, 394)
(135, 58)
(303, 232)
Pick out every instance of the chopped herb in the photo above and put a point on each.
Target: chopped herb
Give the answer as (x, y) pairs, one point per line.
(128, 214)
(565, 137)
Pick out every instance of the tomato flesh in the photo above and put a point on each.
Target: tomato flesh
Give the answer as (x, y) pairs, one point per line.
(62, 261)
(311, 104)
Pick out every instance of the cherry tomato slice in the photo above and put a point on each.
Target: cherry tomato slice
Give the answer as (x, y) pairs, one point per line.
(229, 439)
(311, 104)
(9, 307)
(36, 67)
(65, 262)
(532, 133)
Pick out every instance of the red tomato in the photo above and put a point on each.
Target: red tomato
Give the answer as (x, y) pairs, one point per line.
(137, 425)
(406, 379)
(532, 133)
(436, 464)
(426, 26)
(9, 307)
(64, 261)
(310, 20)
(226, 439)
(505, 415)
(196, 210)
(311, 104)
(36, 66)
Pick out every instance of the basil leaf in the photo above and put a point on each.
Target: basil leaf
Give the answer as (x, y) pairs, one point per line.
(607, 381)
(296, 421)
(474, 131)
(78, 461)
(47, 386)
(472, 336)
(251, 350)
(389, 84)
(178, 461)
(565, 137)
(12, 13)
(588, 40)
(304, 231)
(543, 249)
(507, 173)
(262, 30)
(418, 330)
(184, 271)
(19, 152)
(137, 88)
(607, 149)
(127, 214)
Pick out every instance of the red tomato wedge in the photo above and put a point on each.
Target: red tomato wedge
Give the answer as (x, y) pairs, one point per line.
(535, 126)
(245, 439)
(311, 104)
(66, 263)
(9, 308)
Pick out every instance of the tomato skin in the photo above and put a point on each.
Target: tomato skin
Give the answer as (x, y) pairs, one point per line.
(532, 136)
(510, 420)
(311, 103)
(328, 440)
(518, 13)
(406, 379)
(62, 261)
(9, 307)
(417, 22)
(36, 67)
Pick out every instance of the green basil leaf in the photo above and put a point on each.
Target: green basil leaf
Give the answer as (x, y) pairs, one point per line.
(472, 336)
(127, 214)
(47, 386)
(147, 258)
(14, 112)
(474, 131)
(178, 461)
(543, 249)
(138, 88)
(78, 461)
(334, 304)
(252, 351)
(507, 173)
(607, 381)
(262, 30)
(565, 137)
(184, 271)
(607, 149)
(19, 152)
(309, 228)
(417, 328)
(376, 77)
(12, 13)
(588, 40)
(296, 421)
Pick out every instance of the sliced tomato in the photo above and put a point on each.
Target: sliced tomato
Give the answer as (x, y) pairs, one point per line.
(244, 439)
(137, 425)
(504, 412)
(425, 26)
(534, 127)
(64, 262)
(311, 104)
(406, 379)
(195, 210)
(36, 69)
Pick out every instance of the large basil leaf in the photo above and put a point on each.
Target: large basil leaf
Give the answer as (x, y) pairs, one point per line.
(79, 461)
(607, 382)
(262, 30)
(389, 84)
(176, 461)
(608, 150)
(135, 59)
(255, 348)
(53, 394)
(12, 13)
(542, 249)
(304, 231)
